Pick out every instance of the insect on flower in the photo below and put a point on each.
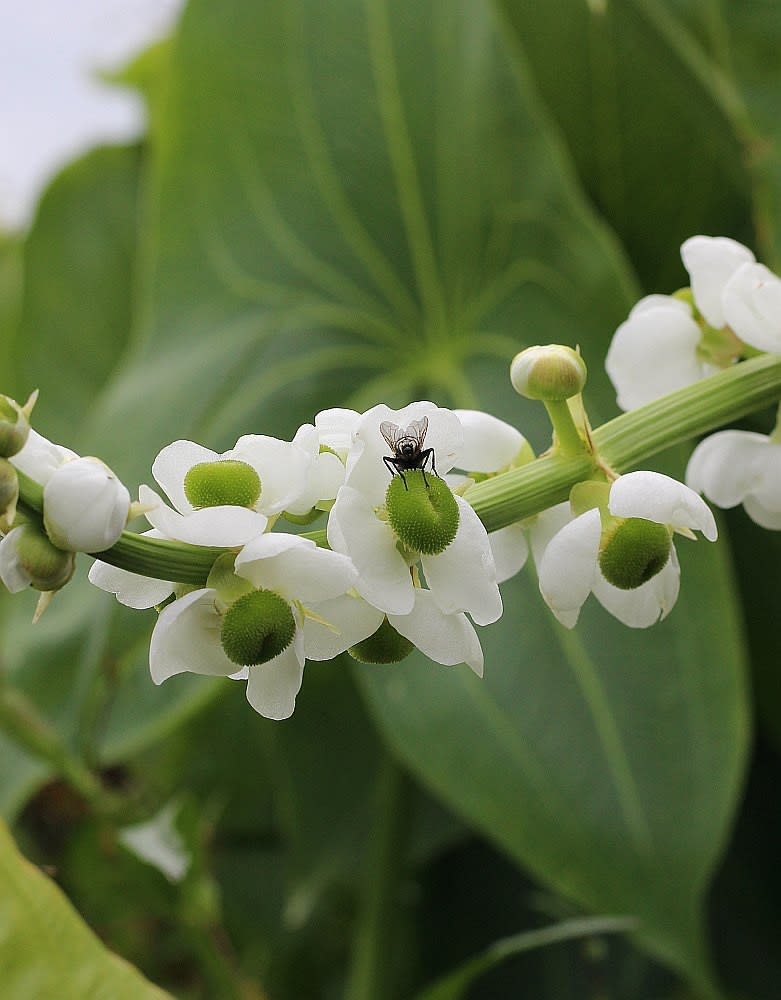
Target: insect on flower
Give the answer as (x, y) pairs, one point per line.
(406, 443)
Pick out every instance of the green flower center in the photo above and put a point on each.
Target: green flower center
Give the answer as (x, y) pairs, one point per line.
(422, 511)
(634, 552)
(257, 627)
(386, 645)
(228, 481)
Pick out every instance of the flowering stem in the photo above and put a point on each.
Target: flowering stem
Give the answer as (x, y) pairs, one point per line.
(522, 492)
(569, 442)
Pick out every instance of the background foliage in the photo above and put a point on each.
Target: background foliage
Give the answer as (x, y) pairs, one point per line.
(371, 200)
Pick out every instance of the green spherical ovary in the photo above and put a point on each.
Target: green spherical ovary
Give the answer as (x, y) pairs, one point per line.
(48, 567)
(386, 645)
(634, 553)
(213, 484)
(257, 627)
(424, 513)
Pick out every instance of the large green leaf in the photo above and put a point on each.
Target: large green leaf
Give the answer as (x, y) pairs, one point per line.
(46, 950)
(652, 123)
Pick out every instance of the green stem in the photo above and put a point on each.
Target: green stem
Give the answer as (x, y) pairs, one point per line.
(21, 720)
(569, 442)
(622, 443)
(374, 965)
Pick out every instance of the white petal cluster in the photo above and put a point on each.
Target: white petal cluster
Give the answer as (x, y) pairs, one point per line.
(740, 467)
(567, 550)
(662, 345)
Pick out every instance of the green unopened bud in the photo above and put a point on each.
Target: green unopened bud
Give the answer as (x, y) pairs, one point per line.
(550, 373)
(9, 495)
(257, 627)
(633, 551)
(28, 559)
(386, 645)
(422, 511)
(229, 481)
(14, 424)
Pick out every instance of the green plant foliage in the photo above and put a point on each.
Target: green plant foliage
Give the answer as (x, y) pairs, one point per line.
(46, 950)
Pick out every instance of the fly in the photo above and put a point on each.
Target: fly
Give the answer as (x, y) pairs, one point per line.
(406, 443)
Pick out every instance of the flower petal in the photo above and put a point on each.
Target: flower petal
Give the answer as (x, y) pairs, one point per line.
(225, 526)
(644, 605)
(172, 465)
(40, 457)
(186, 639)
(654, 352)
(711, 261)
(752, 306)
(545, 525)
(352, 618)
(727, 466)
(660, 498)
(383, 575)
(336, 428)
(283, 468)
(463, 577)
(295, 567)
(568, 567)
(489, 444)
(509, 549)
(130, 589)
(446, 639)
(272, 687)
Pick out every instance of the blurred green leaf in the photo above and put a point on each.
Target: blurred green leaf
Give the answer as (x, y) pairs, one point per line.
(653, 124)
(78, 264)
(454, 985)
(46, 950)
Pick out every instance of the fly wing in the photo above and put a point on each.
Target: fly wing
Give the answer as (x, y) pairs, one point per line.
(391, 432)
(417, 431)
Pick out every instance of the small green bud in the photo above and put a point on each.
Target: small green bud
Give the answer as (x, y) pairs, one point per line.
(257, 627)
(633, 551)
(28, 559)
(386, 645)
(550, 373)
(228, 481)
(14, 424)
(9, 494)
(422, 511)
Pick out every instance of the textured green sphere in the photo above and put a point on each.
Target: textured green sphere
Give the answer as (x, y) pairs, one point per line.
(386, 645)
(634, 553)
(213, 484)
(257, 627)
(424, 514)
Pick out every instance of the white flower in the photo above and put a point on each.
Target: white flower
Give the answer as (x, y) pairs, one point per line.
(654, 351)
(131, 589)
(187, 635)
(85, 506)
(734, 467)
(40, 457)
(752, 306)
(711, 261)
(569, 565)
(462, 577)
(325, 471)
(336, 429)
(222, 525)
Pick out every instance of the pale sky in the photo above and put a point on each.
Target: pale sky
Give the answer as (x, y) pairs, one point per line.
(52, 108)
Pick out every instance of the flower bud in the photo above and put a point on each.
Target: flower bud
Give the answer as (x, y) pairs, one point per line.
(85, 506)
(228, 481)
(14, 424)
(633, 551)
(28, 559)
(9, 494)
(422, 511)
(257, 627)
(549, 373)
(386, 645)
